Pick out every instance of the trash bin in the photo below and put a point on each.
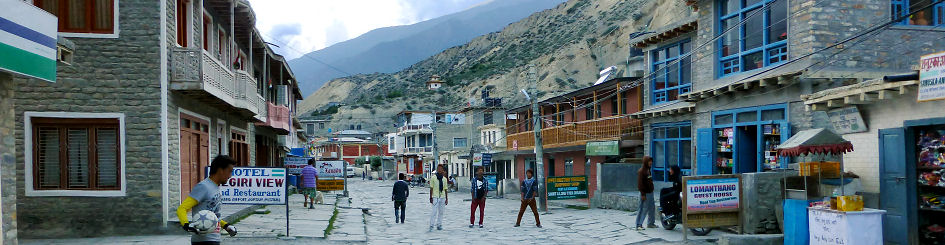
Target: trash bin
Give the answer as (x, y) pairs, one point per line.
(294, 180)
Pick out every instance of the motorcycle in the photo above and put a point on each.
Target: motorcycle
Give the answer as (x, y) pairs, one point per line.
(670, 211)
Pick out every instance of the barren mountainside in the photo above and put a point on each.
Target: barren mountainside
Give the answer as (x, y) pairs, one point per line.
(568, 44)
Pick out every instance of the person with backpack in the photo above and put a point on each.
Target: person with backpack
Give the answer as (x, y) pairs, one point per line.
(529, 187)
(399, 196)
(480, 188)
(645, 185)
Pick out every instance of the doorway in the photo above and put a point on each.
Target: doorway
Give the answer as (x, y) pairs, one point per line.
(194, 151)
(747, 158)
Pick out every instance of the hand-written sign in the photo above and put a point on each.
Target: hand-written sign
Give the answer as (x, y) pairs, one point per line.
(567, 187)
(826, 227)
(330, 185)
(846, 120)
(712, 194)
(255, 186)
(330, 168)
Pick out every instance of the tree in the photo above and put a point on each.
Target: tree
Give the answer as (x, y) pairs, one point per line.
(376, 163)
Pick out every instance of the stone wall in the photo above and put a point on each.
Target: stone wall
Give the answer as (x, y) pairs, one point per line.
(7, 161)
(761, 198)
(108, 75)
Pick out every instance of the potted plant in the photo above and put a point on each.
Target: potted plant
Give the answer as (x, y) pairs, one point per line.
(758, 62)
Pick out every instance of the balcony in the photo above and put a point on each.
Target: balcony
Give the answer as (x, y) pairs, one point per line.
(579, 133)
(415, 129)
(418, 150)
(197, 74)
(277, 118)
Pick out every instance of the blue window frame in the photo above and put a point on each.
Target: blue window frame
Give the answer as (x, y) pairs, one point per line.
(758, 42)
(671, 145)
(744, 139)
(672, 73)
(934, 16)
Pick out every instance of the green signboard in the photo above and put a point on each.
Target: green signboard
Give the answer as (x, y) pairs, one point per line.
(567, 187)
(603, 148)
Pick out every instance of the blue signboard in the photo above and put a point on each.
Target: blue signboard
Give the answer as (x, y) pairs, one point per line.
(492, 182)
(486, 159)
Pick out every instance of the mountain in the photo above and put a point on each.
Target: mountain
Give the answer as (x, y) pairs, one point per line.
(391, 49)
(568, 45)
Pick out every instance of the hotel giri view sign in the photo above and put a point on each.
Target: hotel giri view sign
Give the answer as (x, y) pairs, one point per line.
(27, 40)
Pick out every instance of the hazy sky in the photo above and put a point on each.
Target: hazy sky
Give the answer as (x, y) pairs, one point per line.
(302, 26)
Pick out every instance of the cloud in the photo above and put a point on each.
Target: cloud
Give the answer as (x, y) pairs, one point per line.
(302, 26)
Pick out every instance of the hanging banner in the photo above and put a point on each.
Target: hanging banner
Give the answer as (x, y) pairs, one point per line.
(603, 148)
(330, 168)
(932, 77)
(567, 187)
(486, 159)
(295, 164)
(262, 186)
(477, 159)
(712, 194)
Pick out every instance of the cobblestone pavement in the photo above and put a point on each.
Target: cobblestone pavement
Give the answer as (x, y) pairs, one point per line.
(560, 225)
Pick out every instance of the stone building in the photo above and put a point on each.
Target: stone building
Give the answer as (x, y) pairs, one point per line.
(154, 91)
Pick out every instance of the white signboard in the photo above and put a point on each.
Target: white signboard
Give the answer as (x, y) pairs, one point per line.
(477, 159)
(330, 168)
(712, 194)
(28, 40)
(932, 77)
(846, 120)
(830, 227)
(295, 164)
(265, 186)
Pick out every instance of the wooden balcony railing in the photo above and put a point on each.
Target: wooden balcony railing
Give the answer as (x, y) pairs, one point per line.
(579, 133)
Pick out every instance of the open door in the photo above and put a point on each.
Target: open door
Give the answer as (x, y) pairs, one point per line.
(704, 149)
(893, 186)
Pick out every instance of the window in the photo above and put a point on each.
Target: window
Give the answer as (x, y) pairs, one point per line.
(569, 167)
(239, 148)
(934, 16)
(182, 27)
(614, 106)
(321, 125)
(589, 112)
(672, 75)
(459, 142)
(758, 42)
(310, 128)
(487, 118)
(207, 29)
(671, 147)
(76, 154)
(82, 16)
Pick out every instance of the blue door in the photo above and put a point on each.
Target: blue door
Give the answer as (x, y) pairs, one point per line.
(704, 149)
(894, 196)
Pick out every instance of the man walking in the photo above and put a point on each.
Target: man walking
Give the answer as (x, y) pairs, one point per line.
(438, 197)
(309, 184)
(529, 187)
(399, 196)
(645, 185)
(206, 196)
(480, 187)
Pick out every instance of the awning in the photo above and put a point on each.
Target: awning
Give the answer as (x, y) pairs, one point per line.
(678, 107)
(780, 76)
(666, 33)
(861, 93)
(816, 141)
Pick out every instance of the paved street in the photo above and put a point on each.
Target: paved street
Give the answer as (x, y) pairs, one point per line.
(368, 218)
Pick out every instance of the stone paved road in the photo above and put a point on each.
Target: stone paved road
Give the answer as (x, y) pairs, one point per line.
(561, 225)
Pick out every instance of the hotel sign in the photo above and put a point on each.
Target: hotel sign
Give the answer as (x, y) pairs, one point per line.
(932, 77)
(27, 40)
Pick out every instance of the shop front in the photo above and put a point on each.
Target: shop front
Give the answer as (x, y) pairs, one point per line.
(743, 140)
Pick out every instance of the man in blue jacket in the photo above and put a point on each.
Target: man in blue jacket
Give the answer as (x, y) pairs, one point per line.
(529, 187)
(399, 196)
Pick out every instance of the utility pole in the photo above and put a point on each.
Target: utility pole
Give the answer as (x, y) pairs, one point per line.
(341, 156)
(436, 152)
(539, 154)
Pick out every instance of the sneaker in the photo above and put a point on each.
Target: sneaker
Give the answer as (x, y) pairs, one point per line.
(312, 206)
(516, 225)
(652, 226)
(480, 226)
(439, 228)
(431, 229)
(470, 225)
(539, 226)
(640, 228)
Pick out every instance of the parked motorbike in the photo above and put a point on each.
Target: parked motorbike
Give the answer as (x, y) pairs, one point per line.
(670, 211)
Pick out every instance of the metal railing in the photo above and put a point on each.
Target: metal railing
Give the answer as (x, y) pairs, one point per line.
(415, 127)
(579, 133)
(237, 88)
(418, 150)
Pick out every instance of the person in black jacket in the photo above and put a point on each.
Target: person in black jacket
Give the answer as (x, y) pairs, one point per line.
(645, 185)
(480, 187)
(399, 196)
